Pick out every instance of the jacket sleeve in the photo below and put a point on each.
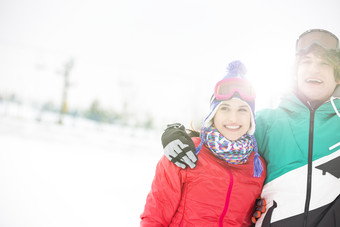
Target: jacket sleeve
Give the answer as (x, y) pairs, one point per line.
(165, 195)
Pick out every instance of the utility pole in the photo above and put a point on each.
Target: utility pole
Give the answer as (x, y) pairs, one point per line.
(66, 73)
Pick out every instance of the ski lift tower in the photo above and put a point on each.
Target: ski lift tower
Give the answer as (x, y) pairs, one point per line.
(66, 73)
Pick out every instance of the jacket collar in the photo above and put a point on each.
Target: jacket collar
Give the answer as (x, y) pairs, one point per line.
(316, 104)
(293, 103)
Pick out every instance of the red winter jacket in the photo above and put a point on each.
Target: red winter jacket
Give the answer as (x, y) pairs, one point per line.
(214, 193)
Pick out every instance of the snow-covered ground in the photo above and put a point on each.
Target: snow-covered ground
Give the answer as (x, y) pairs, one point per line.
(78, 174)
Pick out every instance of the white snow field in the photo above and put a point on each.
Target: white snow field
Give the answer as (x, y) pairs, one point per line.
(78, 174)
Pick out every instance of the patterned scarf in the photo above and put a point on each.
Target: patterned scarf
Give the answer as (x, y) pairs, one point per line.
(234, 152)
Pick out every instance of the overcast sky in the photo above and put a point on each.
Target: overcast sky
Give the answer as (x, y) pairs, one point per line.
(162, 57)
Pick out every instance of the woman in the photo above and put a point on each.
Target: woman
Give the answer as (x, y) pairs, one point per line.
(222, 189)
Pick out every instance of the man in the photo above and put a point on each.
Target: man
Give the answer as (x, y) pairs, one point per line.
(300, 140)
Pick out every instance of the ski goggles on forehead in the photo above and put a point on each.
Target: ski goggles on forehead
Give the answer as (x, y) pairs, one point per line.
(225, 89)
(321, 37)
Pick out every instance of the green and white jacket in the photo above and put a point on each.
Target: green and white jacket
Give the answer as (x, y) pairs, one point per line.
(302, 148)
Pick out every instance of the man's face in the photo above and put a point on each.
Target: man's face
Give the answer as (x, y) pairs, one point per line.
(315, 78)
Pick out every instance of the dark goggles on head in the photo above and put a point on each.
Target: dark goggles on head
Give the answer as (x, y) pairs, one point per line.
(225, 89)
(321, 37)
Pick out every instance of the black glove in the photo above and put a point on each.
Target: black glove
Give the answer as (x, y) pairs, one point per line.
(178, 146)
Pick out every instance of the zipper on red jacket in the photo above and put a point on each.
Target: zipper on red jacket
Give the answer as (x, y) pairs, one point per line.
(310, 162)
(226, 205)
